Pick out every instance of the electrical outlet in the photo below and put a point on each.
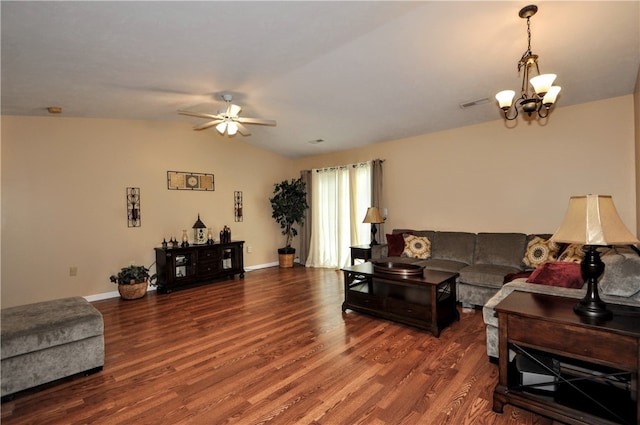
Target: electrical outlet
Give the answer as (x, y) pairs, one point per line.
(73, 271)
(249, 248)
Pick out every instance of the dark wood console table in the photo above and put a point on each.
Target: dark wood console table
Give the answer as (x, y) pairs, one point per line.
(181, 267)
(427, 301)
(596, 381)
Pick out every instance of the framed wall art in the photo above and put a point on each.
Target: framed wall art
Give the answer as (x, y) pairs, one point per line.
(185, 180)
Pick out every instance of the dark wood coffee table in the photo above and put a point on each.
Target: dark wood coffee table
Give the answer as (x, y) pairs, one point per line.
(596, 381)
(426, 300)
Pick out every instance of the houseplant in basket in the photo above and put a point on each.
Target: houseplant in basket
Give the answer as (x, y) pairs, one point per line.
(132, 281)
(289, 202)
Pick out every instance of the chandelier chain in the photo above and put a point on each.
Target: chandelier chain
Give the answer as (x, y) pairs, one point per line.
(529, 34)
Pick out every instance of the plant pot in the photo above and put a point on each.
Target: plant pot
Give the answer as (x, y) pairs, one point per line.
(286, 256)
(132, 291)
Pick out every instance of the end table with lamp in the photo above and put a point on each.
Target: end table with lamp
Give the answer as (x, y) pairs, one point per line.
(594, 350)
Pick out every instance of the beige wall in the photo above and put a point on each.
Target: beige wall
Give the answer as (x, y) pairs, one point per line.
(487, 177)
(636, 101)
(64, 179)
(63, 199)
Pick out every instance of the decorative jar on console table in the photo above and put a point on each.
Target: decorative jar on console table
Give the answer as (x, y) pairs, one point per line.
(184, 266)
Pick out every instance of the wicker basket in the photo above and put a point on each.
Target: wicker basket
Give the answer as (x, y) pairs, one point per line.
(132, 291)
(286, 260)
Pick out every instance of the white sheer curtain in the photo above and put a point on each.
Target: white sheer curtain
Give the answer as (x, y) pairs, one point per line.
(340, 198)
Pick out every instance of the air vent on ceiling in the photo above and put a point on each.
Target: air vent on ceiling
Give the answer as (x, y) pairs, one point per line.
(474, 102)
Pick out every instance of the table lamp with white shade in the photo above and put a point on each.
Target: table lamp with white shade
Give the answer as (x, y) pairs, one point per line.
(593, 222)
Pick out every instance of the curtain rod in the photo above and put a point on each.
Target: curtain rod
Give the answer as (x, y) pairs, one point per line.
(343, 167)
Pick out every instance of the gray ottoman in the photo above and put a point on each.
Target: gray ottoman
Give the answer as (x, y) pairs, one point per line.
(45, 341)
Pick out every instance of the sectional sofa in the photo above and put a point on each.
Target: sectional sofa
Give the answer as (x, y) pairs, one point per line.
(482, 259)
(485, 261)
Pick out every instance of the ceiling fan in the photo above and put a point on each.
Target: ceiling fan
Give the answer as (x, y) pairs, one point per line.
(227, 119)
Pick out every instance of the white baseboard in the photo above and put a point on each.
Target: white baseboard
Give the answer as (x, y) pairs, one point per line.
(116, 294)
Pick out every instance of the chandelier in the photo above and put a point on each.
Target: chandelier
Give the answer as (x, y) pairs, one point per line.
(537, 93)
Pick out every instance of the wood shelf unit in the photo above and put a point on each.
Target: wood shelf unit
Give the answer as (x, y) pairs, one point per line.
(197, 264)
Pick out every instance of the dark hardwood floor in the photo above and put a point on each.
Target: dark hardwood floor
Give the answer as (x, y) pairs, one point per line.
(273, 348)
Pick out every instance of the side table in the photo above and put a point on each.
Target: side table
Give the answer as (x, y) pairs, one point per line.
(596, 380)
(363, 252)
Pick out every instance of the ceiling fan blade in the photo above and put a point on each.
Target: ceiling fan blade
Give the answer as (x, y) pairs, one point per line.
(243, 130)
(255, 121)
(200, 115)
(207, 124)
(234, 110)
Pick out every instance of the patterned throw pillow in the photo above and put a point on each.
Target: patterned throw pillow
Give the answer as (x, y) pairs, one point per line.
(573, 253)
(417, 247)
(540, 251)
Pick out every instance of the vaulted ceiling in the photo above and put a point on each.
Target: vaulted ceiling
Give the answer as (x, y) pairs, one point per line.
(349, 73)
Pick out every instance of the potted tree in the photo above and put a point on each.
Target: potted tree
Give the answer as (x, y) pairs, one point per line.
(132, 281)
(289, 202)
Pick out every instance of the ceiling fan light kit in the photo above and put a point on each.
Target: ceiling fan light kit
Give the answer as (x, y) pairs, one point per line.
(227, 120)
(537, 94)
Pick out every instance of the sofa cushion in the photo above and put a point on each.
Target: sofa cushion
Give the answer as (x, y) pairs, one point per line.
(445, 265)
(558, 273)
(490, 275)
(540, 250)
(404, 260)
(503, 249)
(37, 326)
(456, 246)
(416, 247)
(513, 276)
(621, 275)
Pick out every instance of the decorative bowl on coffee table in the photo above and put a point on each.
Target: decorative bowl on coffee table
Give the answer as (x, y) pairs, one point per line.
(397, 269)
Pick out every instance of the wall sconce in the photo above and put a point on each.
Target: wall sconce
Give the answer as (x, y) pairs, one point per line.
(133, 207)
(237, 199)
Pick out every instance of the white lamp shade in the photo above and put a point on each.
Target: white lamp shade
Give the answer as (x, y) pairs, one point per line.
(593, 220)
(542, 83)
(505, 98)
(221, 127)
(551, 96)
(232, 128)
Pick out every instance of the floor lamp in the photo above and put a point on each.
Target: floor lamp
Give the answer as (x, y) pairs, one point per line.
(593, 221)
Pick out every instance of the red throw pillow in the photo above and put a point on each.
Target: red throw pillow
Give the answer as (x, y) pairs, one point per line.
(395, 244)
(558, 273)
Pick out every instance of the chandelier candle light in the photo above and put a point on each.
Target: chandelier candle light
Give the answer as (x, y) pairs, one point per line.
(541, 94)
(593, 222)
